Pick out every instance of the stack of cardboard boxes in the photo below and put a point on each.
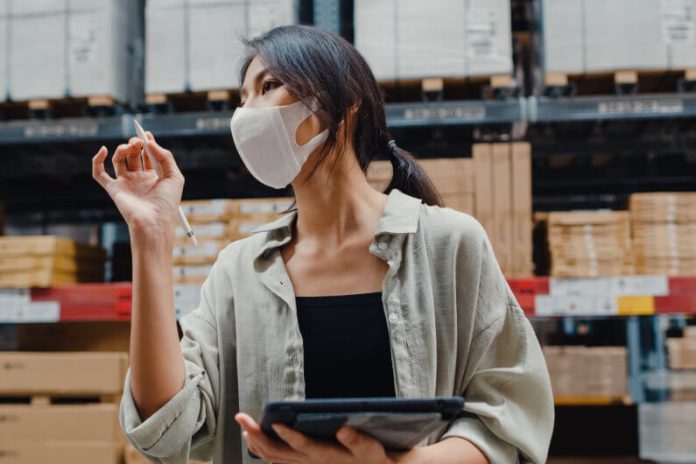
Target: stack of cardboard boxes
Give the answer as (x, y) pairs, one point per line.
(664, 233)
(196, 45)
(398, 40)
(682, 351)
(503, 202)
(585, 36)
(578, 371)
(89, 49)
(216, 223)
(61, 408)
(494, 185)
(589, 243)
(45, 261)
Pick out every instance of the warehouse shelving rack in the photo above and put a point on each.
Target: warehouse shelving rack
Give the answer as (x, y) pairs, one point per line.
(499, 119)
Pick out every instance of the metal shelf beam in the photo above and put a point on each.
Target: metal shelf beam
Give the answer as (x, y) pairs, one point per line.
(399, 115)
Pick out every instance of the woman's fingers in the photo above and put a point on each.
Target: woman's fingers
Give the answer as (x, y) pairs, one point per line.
(264, 446)
(135, 152)
(359, 444)
(119, 160)
(98, 172)
(164, 157)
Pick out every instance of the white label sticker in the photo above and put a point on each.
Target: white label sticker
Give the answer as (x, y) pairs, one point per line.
(84, 38)
(547, 305)
(40, 311)
(678, 21)
(186, 298)
(481, 33)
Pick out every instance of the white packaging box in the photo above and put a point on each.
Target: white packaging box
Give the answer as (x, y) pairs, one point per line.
(411, 39)
(197, 44)
(4, 45)
(623, 34)
(73, 48)
(603, 36)
(165, 46)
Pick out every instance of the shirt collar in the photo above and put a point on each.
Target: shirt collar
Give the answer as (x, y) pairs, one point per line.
(400, 217)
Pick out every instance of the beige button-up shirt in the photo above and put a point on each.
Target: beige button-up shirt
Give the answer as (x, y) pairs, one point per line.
(454, 325)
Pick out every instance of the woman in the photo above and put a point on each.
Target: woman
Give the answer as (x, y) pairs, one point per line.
(354, 293)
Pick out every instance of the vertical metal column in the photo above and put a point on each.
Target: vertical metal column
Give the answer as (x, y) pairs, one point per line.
(635, 376)
(327, 15)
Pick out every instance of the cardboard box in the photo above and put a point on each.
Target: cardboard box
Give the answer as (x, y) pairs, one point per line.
(379, 174)
(682, 353)
(196, 45)
(587, 371)
(41, 423)
(22, 246)
(597, 36)
(589, 243)
(398, 40)
(483, 181)
(32, 452)
(523, 265)
(191, 274)
(76, 373)
(90, 49)
(203, 253)
(502, 205)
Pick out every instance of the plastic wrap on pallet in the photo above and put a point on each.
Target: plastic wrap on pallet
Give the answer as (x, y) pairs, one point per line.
(75, 48)
(4, 47)
(599, 36)
(196, 44)
(412, 39)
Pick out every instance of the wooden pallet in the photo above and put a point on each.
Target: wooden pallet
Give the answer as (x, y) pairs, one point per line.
(215, 100)
(439, 88)
(45, 108)
(620, 82)
(47, 399)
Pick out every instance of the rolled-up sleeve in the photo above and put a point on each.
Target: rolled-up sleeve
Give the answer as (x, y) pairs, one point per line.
(509, 411)
(185, 426)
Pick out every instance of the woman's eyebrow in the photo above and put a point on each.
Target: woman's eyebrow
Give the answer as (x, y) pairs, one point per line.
(260, 75)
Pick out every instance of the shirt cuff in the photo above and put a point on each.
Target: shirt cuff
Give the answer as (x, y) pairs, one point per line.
(170, 428)
(472, 429)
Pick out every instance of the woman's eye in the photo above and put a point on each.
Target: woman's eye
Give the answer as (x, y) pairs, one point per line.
(268, 86)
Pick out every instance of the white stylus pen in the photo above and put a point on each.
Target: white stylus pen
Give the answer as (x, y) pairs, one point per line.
(182, 217)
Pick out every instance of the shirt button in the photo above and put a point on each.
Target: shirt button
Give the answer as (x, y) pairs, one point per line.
(394, 318)
(382, 246)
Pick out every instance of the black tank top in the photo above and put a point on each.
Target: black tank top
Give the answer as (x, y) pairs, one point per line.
(346, 346)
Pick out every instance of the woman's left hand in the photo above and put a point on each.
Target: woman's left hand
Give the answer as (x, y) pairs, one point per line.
(297, 448)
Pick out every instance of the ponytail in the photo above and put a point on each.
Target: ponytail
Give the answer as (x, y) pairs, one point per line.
(409, 177)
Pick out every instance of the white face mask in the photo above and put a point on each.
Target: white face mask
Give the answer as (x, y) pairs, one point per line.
(266, 141)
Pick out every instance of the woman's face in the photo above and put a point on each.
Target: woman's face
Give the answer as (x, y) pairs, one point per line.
(261, 89)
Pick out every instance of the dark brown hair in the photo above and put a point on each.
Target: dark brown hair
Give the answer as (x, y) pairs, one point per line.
(313, 63)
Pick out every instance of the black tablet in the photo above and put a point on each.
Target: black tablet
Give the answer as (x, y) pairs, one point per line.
(398, 423)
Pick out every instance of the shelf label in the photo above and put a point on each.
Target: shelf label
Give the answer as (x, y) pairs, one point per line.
(39, 311)
(465, 112)
(547, 305)
(67, 129)
(213, 124)
(610, 286)
(645, 106)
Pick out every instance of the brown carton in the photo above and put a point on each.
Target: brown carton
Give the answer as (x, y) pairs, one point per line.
(61, 453)
(502, 205)
(522, 209)
(483, 182)
(72, 373)
(65, 422)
